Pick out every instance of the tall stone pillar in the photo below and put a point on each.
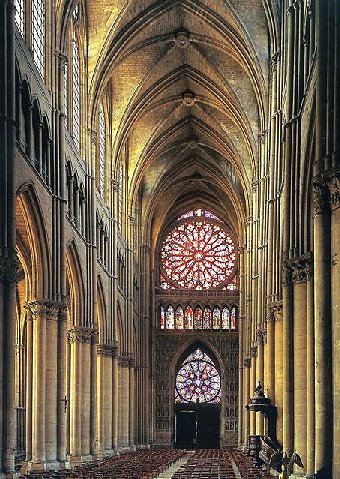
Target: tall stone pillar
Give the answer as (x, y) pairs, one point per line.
(299, 278)
(310, 371)
(246, 397)
(260, 377)
(124, 400)
(115, 397)
(252, 386)
(288, 387)
(279, 350)
(132, 396)
(106, 354)
(38, 311)
(62, 400)
(334, 195)
(80, 358)
(322, 324)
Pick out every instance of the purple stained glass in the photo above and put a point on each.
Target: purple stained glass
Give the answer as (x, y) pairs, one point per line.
(198, 380)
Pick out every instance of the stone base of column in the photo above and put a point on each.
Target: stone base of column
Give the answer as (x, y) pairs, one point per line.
(76, 460)
(41, 466)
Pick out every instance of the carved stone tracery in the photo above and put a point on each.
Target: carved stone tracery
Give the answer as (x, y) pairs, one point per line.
(109, 350)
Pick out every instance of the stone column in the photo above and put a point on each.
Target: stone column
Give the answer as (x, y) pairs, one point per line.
(246, 397)
(259, 377)
(132, 397)
(124, 399)
(106, 353)
(115, 398)
(51, 406)
(62, 399)
(287, 332)
(29, 380)
(334, 195)
(279, 348)
(310, 372)
(299, 278)
(252, 386)
(322, 324)
(44, 383)
(79, 336)
(270, 356)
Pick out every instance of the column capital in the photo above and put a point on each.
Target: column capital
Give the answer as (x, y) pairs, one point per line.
(299, 269)
(261, 335)
(126, 361)
(253, 351)
(81, 334)
(43, 309)
(247, 362)
(319, 196)
(9, 268)
(333, 184)
(109, 350)
(274, 311)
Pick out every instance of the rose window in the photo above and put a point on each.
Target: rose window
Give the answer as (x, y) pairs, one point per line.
(198, 254)
(198, 380)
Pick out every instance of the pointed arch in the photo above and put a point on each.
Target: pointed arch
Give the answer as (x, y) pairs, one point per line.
(75, 286)
(33, 241)
(101, 312)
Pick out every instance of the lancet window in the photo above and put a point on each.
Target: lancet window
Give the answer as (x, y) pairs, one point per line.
(176, 317)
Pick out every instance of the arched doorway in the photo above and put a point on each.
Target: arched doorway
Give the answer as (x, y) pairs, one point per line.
(197, 399)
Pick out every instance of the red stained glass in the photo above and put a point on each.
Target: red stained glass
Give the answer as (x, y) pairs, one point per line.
(179, 318)
(197, 254)
(198, 318)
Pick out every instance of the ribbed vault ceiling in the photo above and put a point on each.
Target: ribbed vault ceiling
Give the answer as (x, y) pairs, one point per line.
(188, 81)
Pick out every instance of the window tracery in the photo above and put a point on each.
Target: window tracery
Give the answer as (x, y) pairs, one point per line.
(75, 92)
(217, 318)
(198, 380)
(20, 16)
(38, 34)
(198, 253)
(102, 149)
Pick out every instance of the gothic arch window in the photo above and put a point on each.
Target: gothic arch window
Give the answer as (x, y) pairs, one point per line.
(75, 92)
(72, 76)
(38, 34)
(198, 253)
(30, 20)
(102, 149)
(120, 197)
(198, 380)
(198, 318)
(20, 16)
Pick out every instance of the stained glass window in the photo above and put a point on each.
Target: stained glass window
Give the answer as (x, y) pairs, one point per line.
(207, 318)
(179, 318)
(102, 150)
(198, 318)
(162, 317)
(198, 253)
(188, 318)
(170, 318)
(233, 318)
(20, 16)
(225, 318)
(216, 318)
(38, 34)
(75, 92)
(120, 197)
(66, 93)
(198, 380)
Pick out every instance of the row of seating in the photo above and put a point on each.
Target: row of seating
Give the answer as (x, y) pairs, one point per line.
(141, 464)
(247, 468)
(207, 464)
